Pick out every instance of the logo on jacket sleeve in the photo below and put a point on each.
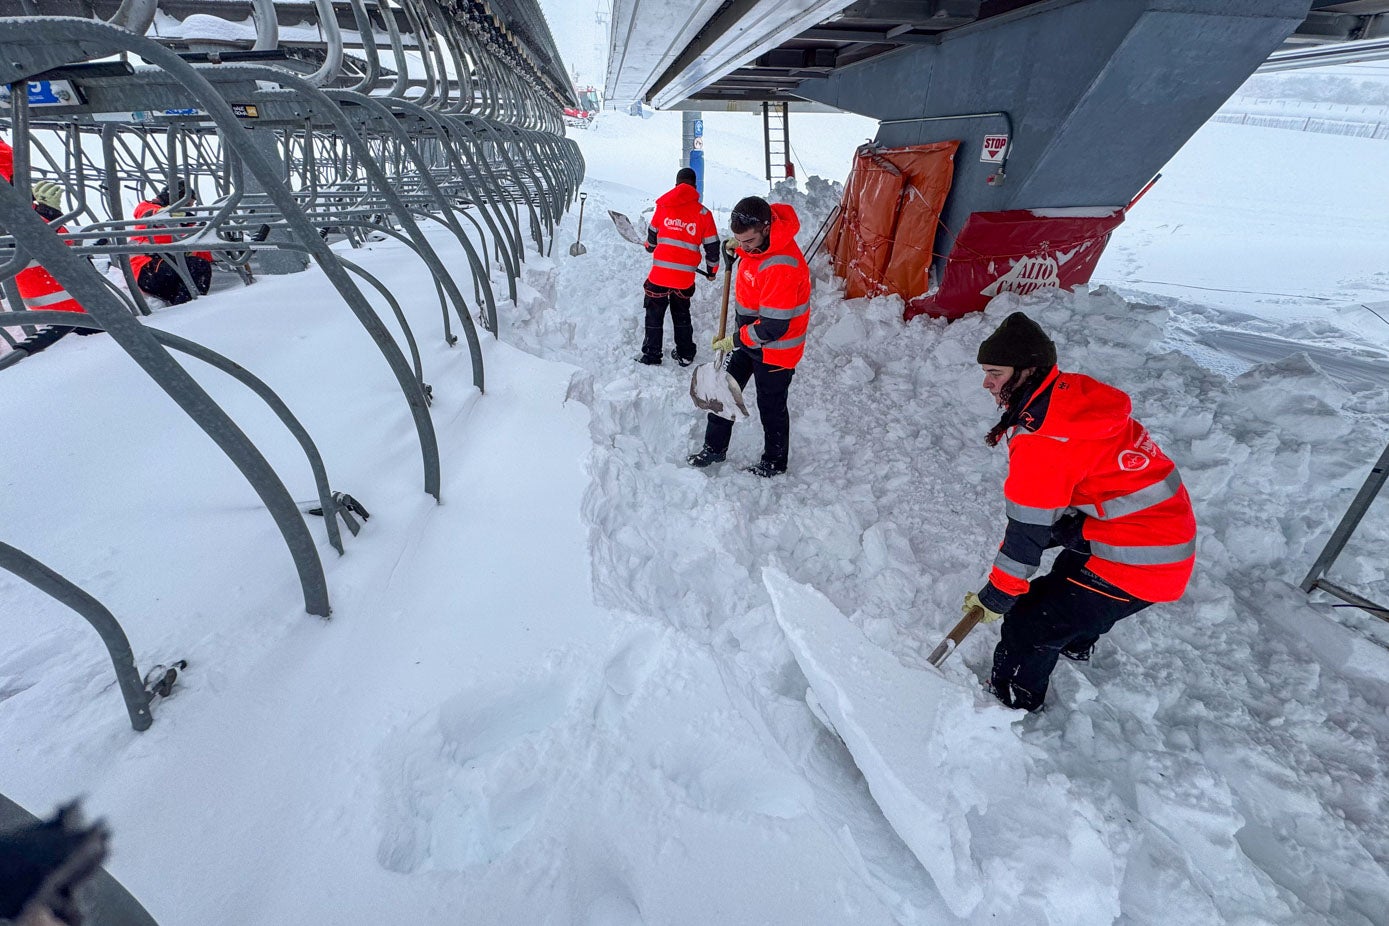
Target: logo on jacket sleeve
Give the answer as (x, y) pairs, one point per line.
(1131, 461)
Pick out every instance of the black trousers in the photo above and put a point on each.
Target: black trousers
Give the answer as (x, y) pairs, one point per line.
(772, 384)
(160, 278)
(1068, 608)
(656, 301)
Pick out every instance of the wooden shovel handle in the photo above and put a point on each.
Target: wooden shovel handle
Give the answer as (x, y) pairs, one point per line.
(723, 308)
(952, 639)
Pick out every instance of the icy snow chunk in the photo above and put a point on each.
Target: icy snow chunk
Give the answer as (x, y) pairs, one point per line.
(849, 333)
(875, 555)
(953, 779)
(1294, 394)
(856, 372)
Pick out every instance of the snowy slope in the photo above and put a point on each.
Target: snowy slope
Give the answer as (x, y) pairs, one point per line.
(562, 696)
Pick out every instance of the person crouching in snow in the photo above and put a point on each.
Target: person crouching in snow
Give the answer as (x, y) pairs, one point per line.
(155, 273)
(37, 287)
(773, 290)
(1083, 475)
(678, 230)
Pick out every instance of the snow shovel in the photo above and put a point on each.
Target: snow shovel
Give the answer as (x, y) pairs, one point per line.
(952, 639)
(625, 229)
(577, 247)
(711, 387)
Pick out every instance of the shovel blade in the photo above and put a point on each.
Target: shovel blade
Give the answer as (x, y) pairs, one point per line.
(715, 391)
(625, 229)
(576, 249)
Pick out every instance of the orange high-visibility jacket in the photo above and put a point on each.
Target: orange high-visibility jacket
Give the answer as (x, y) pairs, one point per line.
(40, 291)
(773, 293)
(679, 229)
(1076, 448)
(138, 261)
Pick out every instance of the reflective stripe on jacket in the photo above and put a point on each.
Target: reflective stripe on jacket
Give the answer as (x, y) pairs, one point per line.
(137, 261)
(773, 293)
(1076, 448)
(40, 291)
(680, 229)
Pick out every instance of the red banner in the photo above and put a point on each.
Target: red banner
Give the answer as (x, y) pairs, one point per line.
(1018, 251)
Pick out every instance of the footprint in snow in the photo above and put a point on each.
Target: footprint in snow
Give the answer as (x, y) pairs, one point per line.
(735, 782)
(465, 784)
(624, 674)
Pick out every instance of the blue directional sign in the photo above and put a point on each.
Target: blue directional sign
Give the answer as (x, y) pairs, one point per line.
(46, 93)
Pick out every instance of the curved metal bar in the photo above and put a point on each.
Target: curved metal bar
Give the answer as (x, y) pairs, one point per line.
(76, 39)
(460, 65)
(384, 188)
(267, 25)
(488, 192)
(392, 124)
(232, 369)
(54, 585)
(396, 310)
(82, 281)
(135, 15)
(367, 33)
(332, 35)
(426, 57)
(402, 64)
(327, 259)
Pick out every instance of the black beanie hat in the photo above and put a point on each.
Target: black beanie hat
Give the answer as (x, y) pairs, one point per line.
(1019, 343)
(687, 176)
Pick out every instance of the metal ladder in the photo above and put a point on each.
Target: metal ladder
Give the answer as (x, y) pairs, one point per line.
(776, 140)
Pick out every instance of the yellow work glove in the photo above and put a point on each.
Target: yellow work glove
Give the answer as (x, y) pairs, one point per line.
(972, 601)
(50, 194)
(723, 344)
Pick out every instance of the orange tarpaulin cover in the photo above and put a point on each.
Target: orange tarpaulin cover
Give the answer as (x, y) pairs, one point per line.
(882, 240)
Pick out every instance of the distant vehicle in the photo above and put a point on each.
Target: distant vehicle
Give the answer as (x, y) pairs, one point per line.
(589, 104)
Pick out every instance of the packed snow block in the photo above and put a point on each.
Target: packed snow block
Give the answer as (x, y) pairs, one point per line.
(1018, 251)
(953, 778)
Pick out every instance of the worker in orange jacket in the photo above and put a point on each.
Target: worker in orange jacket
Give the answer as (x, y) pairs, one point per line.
(679, 230)
(773, 312)
(156, 274)
(1086, 476)
(38, 289)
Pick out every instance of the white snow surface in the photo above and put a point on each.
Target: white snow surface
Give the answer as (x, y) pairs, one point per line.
(563, 695)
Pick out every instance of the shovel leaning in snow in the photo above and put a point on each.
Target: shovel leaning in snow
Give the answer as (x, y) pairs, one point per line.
(577, 247)
(625, 229)
(711, 387)
(952, 639)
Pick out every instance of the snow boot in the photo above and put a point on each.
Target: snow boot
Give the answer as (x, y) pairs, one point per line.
(707, 456)
(766, 469)
(649, 361)
(1078, 654)
(1079, 649)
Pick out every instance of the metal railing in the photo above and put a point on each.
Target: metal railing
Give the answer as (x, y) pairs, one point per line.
(405, 113)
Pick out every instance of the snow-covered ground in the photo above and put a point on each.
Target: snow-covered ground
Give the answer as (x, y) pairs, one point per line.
(563, 696)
